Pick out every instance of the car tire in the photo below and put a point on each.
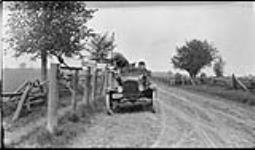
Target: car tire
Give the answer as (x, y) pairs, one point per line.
(153, 110)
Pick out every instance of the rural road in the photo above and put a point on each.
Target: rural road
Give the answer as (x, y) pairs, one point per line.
(184, 119)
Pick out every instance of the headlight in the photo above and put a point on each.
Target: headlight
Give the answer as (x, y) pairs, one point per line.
(120, 89)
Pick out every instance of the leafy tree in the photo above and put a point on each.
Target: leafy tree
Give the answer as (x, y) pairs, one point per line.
(193, 56)
(100, 46)
(218, 67)
(48, 28)
(120, 60)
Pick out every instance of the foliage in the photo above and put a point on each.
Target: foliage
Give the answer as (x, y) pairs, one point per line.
(193, 56)
(100, 46)
(53, 26)
(218, 67)
(120, 60)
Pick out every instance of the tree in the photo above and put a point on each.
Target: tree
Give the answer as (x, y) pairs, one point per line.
(100, 46)
(219, 67)
(23, 65)
(120, 60)
(193, 56)
(48, 28)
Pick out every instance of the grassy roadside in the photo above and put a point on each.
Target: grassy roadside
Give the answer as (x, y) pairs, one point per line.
(230, 94)
(69, 127)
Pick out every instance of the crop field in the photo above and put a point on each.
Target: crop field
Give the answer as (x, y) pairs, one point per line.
(12, 78)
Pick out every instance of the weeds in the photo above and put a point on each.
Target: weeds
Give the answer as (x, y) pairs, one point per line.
(69, 126)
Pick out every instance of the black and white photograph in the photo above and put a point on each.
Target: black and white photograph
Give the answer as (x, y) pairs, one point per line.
(127, 74)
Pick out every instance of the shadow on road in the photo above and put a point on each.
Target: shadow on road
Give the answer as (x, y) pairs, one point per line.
(132, 109)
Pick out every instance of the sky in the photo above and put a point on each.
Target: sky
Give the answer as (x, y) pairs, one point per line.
(152, 31)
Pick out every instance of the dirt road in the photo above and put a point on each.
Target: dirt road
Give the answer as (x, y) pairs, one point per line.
(184, 119)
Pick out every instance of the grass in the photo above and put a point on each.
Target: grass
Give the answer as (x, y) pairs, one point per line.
(69, 127)
(227, 93)
(221, 89)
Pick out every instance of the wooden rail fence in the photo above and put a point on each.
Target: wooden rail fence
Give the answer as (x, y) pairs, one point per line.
(89, 81)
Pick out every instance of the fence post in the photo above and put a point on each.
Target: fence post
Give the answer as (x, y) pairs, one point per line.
(53, 97)
(75, 88)
(234, 84)
(106, 80)
(93, 86)
(95, 83)
(87, 89)
(21, 102)
(102, 83)
(110, 79)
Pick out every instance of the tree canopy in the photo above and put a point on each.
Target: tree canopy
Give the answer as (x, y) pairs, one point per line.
(100, 46)
(120, 60)
(52, 26)
(193, 56)
(48, 28)
(218, 67)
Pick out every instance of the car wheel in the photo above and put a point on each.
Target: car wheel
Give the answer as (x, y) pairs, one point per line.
(108, 104)
(153, 110)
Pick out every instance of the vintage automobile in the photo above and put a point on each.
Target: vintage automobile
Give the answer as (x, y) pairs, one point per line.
(133, 87)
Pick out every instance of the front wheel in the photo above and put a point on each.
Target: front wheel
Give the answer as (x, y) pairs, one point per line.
(154, 99)
(153, 110)
(108, 104)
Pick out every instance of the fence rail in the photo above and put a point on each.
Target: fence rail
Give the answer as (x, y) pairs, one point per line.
(88, 79)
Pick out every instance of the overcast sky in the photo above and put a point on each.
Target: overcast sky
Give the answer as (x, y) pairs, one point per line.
(151, 32)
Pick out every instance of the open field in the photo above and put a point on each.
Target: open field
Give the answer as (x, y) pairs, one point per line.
(231, 94)
(221, 87)
(12, 78)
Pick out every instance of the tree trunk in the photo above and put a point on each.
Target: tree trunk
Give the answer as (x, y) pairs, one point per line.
(43, 65)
